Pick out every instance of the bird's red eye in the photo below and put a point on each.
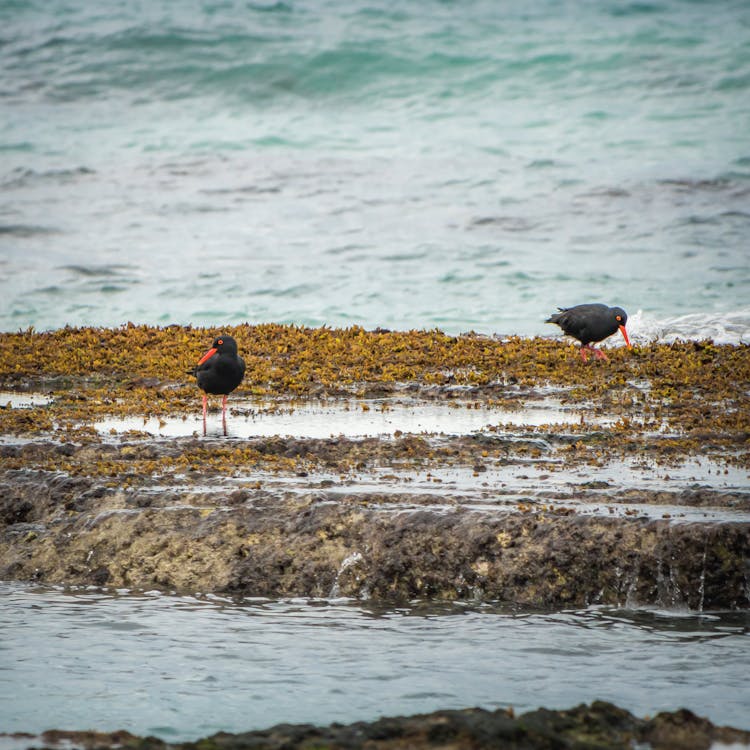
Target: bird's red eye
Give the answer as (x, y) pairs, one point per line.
(221, 341)
(618, 318)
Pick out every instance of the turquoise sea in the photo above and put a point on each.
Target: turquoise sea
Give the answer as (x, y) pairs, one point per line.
(412, 164)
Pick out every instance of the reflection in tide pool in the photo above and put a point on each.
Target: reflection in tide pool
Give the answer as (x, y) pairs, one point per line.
(22, 399)
(183, 667)
(350, 418)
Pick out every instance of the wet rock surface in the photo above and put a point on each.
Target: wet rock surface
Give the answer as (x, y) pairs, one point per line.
(321, 543)
(586, 727)
(635, 490)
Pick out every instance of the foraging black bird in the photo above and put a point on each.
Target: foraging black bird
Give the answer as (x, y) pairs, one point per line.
(593, 322)
(219, 371)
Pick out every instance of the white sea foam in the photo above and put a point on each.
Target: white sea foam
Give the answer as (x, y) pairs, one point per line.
(720, 327)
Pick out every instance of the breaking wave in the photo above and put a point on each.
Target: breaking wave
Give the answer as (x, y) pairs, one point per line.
(720, 327)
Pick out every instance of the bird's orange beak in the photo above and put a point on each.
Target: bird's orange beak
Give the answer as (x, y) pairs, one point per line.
(622, 331)
(210, 353)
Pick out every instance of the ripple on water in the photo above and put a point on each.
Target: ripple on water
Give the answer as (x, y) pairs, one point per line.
(155, 664)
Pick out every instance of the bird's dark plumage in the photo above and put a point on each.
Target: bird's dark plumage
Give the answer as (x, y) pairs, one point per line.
(591, 323)
(218, 372)
(221, 369)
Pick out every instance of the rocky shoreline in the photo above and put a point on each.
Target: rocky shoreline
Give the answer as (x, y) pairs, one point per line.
(635, 493)
(599, 726)
(543, 515)
(253, 541)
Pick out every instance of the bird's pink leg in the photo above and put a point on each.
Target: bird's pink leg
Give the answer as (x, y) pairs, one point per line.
(224, 414)
(598, 353)
(205, 401)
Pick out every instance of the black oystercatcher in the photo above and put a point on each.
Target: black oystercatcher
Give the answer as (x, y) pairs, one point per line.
(219, 371)
(589, 323)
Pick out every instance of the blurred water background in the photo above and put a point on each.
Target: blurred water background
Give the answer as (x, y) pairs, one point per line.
(418, 164)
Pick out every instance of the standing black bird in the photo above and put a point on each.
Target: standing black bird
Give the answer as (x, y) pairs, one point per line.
(589, 323)
(219, 371)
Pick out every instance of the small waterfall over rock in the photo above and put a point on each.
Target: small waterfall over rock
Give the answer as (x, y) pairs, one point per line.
(681, 569)
(346, 563)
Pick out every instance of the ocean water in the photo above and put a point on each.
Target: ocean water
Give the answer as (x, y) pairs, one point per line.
(185, 667)
(417, 164)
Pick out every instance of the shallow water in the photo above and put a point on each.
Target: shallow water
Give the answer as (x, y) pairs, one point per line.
(185, 667)
(22, 400)
(349, 418)
(618, 487)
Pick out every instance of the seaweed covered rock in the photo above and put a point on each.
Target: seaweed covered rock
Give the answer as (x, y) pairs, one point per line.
(599, 726)
(258, 543)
